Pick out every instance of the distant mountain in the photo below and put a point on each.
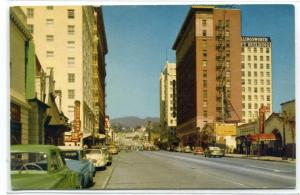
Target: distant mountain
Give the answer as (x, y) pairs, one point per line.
(132, 121)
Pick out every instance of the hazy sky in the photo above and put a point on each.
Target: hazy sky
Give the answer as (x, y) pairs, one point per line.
(140, 38)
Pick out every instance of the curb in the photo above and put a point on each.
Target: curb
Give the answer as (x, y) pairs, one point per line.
(105, 183)
(245, 157)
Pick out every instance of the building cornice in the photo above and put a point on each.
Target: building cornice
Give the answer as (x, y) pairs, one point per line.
(15, 15)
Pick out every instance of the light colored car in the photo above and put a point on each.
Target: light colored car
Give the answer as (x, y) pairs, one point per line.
(198, 150)
(107, 156)
(40, 167)
(77, 161)
(112, 149)
(214, 151)
(187, 149)
(97, 156)
(178, 149)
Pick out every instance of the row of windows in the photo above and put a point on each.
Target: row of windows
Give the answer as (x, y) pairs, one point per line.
(255, 74)
(254, 49)
(70, 12)
(268, 82)
(261, 66)
(255, 98)
(262, 89)
(251, 106)
(253, 114)
(70, 29)
(261, 58)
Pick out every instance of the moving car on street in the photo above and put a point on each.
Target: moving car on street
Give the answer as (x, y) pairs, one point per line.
(40, 167)
(77, 161)
(97, 156)
(214, 151)
(198, 150)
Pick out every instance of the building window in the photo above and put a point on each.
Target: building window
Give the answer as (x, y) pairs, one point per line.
(204, 73)
(255, 89)
(203, 22)
(267, 50)
(71, 29)
(255, 50)
(243, 65)
(262, 98)
(249, 49)
(204, 83)
(243, 89)
(204, 63)
(255, 81)
(268, 89)
(49, 38)
(243, 97)
(71, 94)
(228, 73)
(261, 58)
(227, 33)
(71, 44)
(30, 28)
(249, 105)
(205, 113)
(268, 66)
(249, 81)
(261, 81)
(255, 97)
(71, 77)
(49, 7)
(71, 13)
(249, 89)
(227, 53)
(255, 106)
(227, 64)
(227, 23)
(243, 81)
(243, 49)
(249, 74)
(204, 33)
(49, 53)
(261, 89)
(268, 74)
(71, 61)
(49, 21)
(30, 12)
(249, 114)
(243, 57)
(255, 66)
(261, 74)
(255, 58)
(204, 104)
(204, 93)
(249, 65)
(268, 82)
(227, 43)
(261, 50)
(204, 53)
(249, 58)
(261, 66)
(268, 58)
(255, 74)
(249, 98)
(243, 105)
(204, 42)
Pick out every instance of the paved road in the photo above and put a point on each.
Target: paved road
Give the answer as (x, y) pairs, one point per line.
(168, 170)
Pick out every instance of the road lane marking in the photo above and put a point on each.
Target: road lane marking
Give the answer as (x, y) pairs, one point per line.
(269, 169)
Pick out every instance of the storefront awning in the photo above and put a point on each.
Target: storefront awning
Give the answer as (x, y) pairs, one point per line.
(262, 137)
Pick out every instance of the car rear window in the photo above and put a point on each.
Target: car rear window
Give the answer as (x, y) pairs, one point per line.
(71, 155)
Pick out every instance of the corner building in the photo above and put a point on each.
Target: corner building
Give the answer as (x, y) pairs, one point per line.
(208, 58)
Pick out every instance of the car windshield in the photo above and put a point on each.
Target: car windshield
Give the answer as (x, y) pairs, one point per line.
(93, 151)
(71, 155)
(29, 161)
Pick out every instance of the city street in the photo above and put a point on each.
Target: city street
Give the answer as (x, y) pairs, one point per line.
(170, 170)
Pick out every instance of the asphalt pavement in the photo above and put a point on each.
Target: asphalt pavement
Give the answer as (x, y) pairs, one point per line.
(172, 170)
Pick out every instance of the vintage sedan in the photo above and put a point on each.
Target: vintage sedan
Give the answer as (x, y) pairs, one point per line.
(214, 151)
(97, 156)
(40, 167)
(108, 156)
(187, 149)
(77, 161)
(198, 150)
(113, 149)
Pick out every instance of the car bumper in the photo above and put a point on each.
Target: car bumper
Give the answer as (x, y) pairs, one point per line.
(100, 164)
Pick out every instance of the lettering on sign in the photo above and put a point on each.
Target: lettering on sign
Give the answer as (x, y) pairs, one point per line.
(77, 122)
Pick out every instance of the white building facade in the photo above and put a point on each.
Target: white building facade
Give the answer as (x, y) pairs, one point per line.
(256, 76)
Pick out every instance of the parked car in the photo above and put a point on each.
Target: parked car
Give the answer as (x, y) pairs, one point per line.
(198, 150)
(97, 156)
(178, 149)
(113, 149)
(214, 151)
(187, 149)
(40, 167)
(77, 161)
(108, 156)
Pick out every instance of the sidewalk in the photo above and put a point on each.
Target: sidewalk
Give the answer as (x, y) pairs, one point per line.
(265, 158)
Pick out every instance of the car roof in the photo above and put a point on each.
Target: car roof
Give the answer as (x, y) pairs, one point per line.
(32, 148)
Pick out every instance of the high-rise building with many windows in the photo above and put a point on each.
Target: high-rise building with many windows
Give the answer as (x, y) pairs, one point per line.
(208, 65)
(71, 40)
(256, 76)
(168, 109)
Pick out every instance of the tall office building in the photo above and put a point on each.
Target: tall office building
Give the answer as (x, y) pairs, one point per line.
(168, 117)
(208, 64)
(71, 40)
(256, 76)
